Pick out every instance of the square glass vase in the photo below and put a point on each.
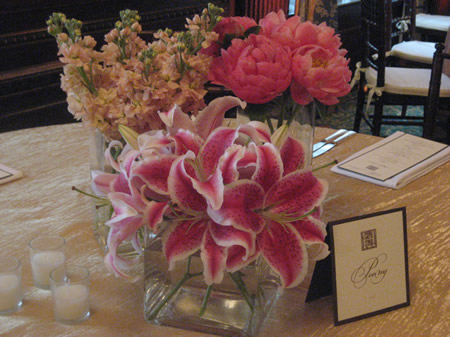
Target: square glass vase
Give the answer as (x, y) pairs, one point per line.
(229, 311)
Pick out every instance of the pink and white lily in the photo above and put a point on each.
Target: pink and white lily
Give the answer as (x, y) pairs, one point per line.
(229, 193)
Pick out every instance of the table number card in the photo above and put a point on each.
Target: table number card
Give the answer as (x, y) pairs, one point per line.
(370, 265)
(8, 174)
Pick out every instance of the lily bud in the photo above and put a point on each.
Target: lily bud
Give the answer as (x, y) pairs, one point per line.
(129, 135)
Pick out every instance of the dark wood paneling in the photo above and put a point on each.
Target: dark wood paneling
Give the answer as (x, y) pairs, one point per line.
(30, 93)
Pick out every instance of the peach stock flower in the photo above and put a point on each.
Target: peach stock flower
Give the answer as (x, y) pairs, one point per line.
(129, 81)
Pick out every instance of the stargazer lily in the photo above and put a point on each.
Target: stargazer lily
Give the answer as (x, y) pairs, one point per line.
(229, 193)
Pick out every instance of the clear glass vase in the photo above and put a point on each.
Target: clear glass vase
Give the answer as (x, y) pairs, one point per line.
(97, 146)
(171, 302)
(300, 119)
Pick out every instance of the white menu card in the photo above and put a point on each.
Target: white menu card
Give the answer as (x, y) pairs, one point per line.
(395, 161)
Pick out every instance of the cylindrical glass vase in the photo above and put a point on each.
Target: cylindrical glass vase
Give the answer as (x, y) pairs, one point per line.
(229, 311)
(97, 147)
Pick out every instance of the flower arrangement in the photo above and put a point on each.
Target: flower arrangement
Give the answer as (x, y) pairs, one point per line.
(230, 194)
(129, 80)
(282, 61)
(233, 194)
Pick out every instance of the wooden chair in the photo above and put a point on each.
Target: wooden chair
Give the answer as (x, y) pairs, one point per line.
(403, 46)
(387, 85)
(435, 104)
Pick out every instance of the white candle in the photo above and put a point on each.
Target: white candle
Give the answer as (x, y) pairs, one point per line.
(10, 292)
(71, 302)
(43, 263)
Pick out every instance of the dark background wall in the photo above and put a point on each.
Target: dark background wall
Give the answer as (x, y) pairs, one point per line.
(30, 93)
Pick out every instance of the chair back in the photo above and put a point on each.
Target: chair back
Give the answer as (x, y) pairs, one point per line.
(375, 36)
(432, 106)
(402, 15)
(384, 23)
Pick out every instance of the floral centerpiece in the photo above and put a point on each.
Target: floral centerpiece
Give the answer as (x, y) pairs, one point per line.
(233, 195)
(281, 68)
(225, 214)
(129, 80)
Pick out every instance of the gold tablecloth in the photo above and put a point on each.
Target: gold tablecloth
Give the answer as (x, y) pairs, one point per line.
(55, 158)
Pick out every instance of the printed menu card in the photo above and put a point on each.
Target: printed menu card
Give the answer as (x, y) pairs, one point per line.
(370, 265)
(395, 161)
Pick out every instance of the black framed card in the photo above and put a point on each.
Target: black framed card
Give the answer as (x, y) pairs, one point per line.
(369, 264)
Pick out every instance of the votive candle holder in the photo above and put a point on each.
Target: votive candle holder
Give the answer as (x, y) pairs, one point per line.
(70, 293)
(10, 284)
(46, 254)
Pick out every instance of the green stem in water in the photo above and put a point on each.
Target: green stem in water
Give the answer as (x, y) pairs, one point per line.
(237, 279)
(205, 300)
(334, 162)
(187, 276)
(269, 122)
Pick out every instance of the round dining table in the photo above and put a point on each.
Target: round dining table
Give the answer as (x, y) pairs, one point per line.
(55, 158)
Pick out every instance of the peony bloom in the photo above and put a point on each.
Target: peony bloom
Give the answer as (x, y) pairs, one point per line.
(272, 21)
(235, 26)
(319, 73)
(294, 34)
(256, 69)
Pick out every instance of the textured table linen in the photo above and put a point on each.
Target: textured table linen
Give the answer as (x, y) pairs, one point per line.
(55, 158)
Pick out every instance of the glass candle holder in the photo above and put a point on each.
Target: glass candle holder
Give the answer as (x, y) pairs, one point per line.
(10, 284)
(70, 293)
(46, 253)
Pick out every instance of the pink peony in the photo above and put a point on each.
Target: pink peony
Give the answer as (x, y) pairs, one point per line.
(294, 34)
(272, 21)
(319, 73)
(235, 25)
(256, 69)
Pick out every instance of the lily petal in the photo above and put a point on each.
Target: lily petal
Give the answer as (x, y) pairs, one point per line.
(121, 230)
(228, 163)
(182, 239)
(212, 116)
(269, 167)
(241, 199)
(214, 259)
(237, 258)
(176, 119)
(259, 132)
(115, 266)
(292, 154)
(154, 212)
(313, 232)
(101, 182)
(285, 252)
(227, 236)
(109, 158)
(180, 187)
(154, 171)
(185, 141)
(296, 194)
(214, 147)
(211, 189)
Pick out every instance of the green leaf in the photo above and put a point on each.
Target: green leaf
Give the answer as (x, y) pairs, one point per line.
(252, 30)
